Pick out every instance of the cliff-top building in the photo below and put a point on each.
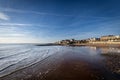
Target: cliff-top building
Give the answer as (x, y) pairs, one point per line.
(110, 38)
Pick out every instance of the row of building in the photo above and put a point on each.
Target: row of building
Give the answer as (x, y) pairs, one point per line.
(112, 38)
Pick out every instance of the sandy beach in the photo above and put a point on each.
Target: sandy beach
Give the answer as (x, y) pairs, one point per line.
(69, 64)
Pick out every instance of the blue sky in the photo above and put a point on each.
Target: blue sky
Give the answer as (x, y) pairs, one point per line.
(43, 21)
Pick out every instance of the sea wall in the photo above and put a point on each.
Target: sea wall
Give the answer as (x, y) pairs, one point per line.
(98, 44)
(103, 42)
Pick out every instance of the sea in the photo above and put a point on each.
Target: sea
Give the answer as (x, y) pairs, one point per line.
(15, 57)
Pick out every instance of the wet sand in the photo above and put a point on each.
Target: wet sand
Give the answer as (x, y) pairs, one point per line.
(65, 65)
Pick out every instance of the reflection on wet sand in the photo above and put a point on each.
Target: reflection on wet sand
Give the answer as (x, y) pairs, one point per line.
(74, 63)
(112, 59)
(74, 70)
(112, 62)
(71, 67)
(110, 50)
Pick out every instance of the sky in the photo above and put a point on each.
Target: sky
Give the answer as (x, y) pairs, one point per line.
(45, 21)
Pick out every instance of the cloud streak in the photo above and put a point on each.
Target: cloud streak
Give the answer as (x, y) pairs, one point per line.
(14, 24)
(33, 12)
(52, 14)
(18, 40)
(3, 16)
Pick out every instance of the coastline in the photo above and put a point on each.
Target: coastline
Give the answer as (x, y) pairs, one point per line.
(95, 44)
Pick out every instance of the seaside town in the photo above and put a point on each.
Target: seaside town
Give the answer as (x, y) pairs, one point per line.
(108, 39)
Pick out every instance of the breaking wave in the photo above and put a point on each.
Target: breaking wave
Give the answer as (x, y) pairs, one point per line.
(16, 57)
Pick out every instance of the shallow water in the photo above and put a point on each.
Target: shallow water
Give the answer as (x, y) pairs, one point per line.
(86, 63)
(15, 57)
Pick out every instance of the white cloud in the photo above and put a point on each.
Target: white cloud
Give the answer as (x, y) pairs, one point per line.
(18, 40)
(3, 16)
(14, 24)
(17, 25)
(33, 12)
(11, 33)
(53, 14)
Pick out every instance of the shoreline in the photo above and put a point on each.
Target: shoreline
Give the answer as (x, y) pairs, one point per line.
(94, 45)
(75, 66)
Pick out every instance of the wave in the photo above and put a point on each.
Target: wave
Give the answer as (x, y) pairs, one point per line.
(13, 50)
(15, 54)
(11, 65)
(23, 59)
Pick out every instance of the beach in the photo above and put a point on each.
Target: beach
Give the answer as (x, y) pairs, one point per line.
(70, 63)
